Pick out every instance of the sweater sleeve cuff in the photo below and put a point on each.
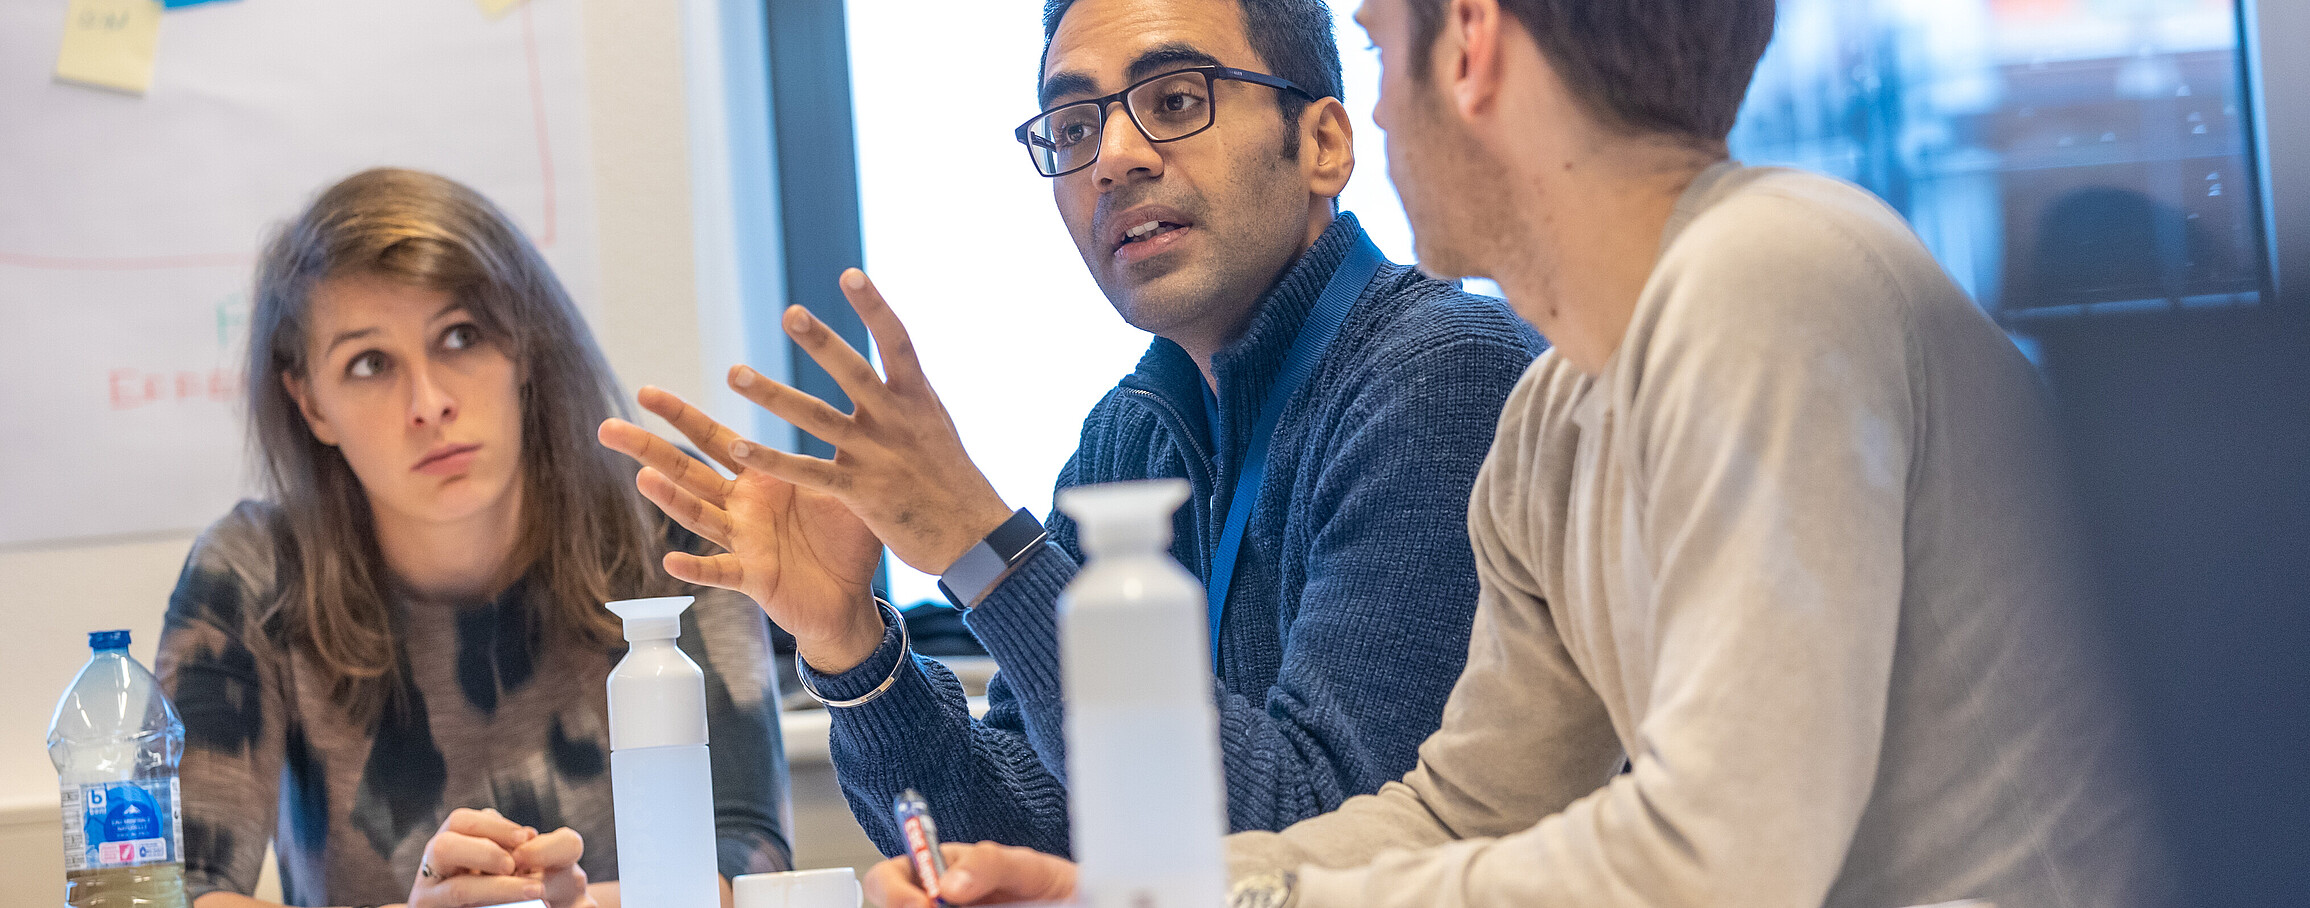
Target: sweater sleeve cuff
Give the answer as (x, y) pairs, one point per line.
(911, 736)
(894, 728)
(1018, 622)
(862, 678)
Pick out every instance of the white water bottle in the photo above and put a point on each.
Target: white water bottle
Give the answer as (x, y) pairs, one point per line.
(1143, 781)
(661, 786)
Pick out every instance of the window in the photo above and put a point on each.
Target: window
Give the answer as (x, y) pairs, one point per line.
(2059, 157)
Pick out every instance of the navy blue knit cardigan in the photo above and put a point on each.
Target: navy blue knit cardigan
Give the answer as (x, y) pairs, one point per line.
(1348, 620)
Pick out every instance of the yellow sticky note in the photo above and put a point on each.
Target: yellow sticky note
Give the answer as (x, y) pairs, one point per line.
(497, 8)
(110, 43)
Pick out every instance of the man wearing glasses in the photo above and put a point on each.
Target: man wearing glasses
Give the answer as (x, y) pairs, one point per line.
(1329, 410)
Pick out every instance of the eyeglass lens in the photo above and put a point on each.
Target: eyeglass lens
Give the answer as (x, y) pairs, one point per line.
(1166, 108)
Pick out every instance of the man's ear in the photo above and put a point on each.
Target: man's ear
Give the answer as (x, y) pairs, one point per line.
(1327, 147)
(302, 393)
(1468, 55)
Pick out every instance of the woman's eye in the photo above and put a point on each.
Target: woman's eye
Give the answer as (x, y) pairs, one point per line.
(460, 337)
(366, 365)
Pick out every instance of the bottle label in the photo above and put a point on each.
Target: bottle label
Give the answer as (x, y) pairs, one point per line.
(120, 824)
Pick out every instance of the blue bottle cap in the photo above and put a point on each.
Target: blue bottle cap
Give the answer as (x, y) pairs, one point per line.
(104, 640)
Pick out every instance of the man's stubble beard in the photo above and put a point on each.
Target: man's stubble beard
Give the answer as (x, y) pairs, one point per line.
(1453, 193)
(1228, 278)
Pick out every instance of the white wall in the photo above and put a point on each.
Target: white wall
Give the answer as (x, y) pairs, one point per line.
(650, 325)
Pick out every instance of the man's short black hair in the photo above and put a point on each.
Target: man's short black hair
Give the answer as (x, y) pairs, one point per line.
(1293, 39)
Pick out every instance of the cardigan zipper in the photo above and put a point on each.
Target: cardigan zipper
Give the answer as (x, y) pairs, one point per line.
(1200, 464)
(1201, 470)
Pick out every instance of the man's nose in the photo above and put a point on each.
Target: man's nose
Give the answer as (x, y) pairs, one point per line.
(1124, 150)
(430, 403)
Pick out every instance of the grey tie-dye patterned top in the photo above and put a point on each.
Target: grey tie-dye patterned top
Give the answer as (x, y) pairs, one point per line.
(494, 723)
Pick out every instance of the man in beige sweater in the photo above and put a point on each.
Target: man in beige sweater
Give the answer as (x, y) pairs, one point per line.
(1774, 521)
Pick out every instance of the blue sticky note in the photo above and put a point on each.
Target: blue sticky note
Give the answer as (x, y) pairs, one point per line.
(174, 4)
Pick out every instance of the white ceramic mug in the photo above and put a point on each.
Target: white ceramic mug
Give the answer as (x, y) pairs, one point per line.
(833, 887)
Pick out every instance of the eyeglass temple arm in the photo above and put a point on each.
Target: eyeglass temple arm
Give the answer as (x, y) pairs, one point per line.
(1275, 82)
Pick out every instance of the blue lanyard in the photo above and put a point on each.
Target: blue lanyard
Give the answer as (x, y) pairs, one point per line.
(1323, 323)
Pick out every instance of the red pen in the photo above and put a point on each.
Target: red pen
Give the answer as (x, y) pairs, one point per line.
(921, 834)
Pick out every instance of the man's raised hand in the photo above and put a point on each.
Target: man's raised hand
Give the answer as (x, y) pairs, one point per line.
(899, 464)
(797, 552)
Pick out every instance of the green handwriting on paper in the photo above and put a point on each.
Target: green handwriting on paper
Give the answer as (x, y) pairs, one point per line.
(110, 44)
(232, 318)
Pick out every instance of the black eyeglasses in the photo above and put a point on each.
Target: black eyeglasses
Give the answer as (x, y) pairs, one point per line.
(1166, 108)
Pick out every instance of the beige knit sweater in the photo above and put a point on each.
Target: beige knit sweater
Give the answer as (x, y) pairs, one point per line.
(1797, 553)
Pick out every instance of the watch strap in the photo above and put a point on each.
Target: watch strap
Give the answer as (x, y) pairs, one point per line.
(976, 573)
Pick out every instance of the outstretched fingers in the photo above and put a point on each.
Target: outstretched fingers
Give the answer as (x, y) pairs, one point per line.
(656, 454)
(807, 472)
(687, 509)
(693, 423)
(805, 412)
(722, 571)
(848, 367)
(890, 337)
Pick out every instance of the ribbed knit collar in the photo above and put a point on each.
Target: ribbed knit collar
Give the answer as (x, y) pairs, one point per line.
(1247, 367)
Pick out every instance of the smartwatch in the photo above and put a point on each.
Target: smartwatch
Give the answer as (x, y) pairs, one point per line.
(987, 563)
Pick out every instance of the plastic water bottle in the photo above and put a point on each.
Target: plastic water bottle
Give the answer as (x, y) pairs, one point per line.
(1142, 735)
(116, 741)
(661, 784)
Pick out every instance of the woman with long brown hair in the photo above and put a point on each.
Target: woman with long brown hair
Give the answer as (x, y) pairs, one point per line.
(393, 667)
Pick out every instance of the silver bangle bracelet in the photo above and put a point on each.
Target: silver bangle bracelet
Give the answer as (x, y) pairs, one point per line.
(904, 645)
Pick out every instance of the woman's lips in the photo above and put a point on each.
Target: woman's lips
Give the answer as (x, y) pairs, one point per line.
(448, 460)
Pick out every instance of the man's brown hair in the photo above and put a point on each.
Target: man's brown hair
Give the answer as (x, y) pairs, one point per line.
(1676, 67)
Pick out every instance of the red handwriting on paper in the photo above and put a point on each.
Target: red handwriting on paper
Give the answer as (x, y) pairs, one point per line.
(129, 389)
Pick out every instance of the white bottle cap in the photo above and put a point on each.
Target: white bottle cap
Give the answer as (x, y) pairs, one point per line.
(652, 619)
(1119, 517)
(657, 695)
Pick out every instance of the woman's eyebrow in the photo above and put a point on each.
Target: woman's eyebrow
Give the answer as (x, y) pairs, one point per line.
(453, 309)
(346, 337)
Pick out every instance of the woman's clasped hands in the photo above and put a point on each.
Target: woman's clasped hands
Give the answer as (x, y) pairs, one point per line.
(481, 858)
